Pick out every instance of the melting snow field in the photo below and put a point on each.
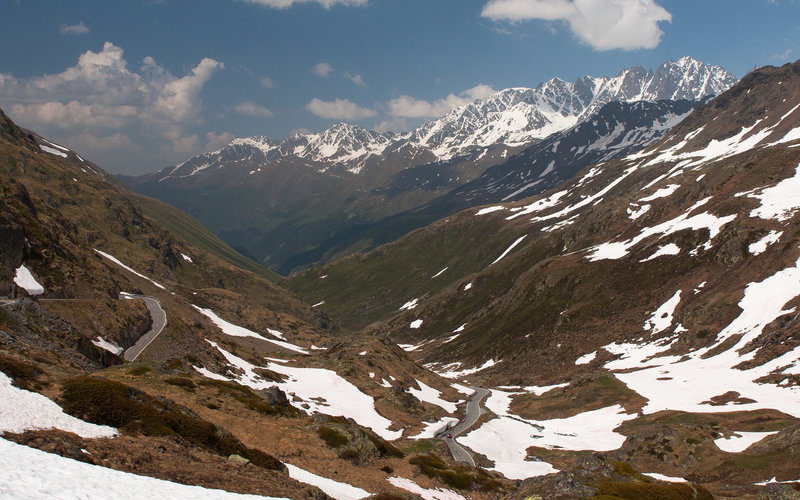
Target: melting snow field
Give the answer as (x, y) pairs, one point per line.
(448, 371)
(24, 279)
(741, 441)
(433, 428)
(23, 410)
(426, 493)
(505, 439)
(761, 245)
(336, 489)
(671, 382)
(779, 202)
(517, 242)
(240, 331)
(323, 391)
(619, 249)
(430, 395)
(30, 473)
(130, 270)
(108, 346)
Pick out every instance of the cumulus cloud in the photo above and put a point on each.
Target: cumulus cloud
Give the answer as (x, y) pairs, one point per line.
(283, 4)
(74, 29)
(249, 108)
(601, 24)
(114, 143)
(356, 78)
(410, 107)
(216, 141)
(101, 92)
(101, 101)
(339, 109)
(395, 124)
(322, 69)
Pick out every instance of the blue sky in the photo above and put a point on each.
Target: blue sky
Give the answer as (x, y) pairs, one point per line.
(140, 85)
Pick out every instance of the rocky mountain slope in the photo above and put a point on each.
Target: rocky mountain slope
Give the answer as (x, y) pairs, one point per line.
(645, 309)
(291, 202)
(613, 131)
(245, 388)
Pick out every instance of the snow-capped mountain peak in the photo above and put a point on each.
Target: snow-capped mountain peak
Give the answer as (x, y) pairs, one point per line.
(513, 117)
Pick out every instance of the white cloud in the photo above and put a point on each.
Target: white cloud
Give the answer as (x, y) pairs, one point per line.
(216, 141)
(396, 124)
(74, 29)
(100, 92)
(601, 24)
(339, 109)
(249, 108)
(92, 144)
(283, 4)
(322, 69)
(266, 82)
(178, 98)
(185, 145)
(356, 78)
(101, 105)
(410, 107)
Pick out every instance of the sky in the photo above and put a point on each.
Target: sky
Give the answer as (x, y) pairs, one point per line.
(139, 85)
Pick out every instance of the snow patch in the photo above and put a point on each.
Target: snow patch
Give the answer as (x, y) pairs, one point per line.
(24, 279)
(425, 493)
(30, 473)
(489, 210)
(23, 410)
(233, 330)
(130, 270)
(761, 245)
(779, 202)
(661, 319)
(430, 395)
(336, 489)
(586, 358)
(411, 304)
(317, 389)
(432, 429)
(740, 441)
(519, 240)
(53, 151)
(668, 249)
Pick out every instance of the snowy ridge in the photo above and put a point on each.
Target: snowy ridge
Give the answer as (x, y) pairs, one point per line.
(513, 117)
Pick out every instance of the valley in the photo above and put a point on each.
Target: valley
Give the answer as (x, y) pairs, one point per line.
(598, 303)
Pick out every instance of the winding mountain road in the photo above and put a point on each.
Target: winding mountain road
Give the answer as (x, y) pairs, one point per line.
(473, 413)
(159, 318)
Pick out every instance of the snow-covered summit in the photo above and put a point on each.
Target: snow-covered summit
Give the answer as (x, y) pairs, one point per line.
(514, 117)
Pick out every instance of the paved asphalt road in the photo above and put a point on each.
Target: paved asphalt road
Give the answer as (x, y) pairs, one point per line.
(472, 415)
(159, 317)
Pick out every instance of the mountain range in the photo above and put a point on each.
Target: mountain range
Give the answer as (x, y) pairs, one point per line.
(288, 203)
(634, 325)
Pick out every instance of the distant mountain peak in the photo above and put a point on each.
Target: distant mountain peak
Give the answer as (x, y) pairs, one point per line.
(513, 117)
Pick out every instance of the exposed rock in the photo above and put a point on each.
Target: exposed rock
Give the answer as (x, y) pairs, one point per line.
(778, 491)
(238, 460)
(275, 397)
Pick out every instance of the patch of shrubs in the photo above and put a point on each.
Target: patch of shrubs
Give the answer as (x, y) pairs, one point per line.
(385, 448)
(460, 477)
(248, 397)
(609, 489)
(182, 382)
(332, 437)
(139, 370)
(24, 375)
(106, 402)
